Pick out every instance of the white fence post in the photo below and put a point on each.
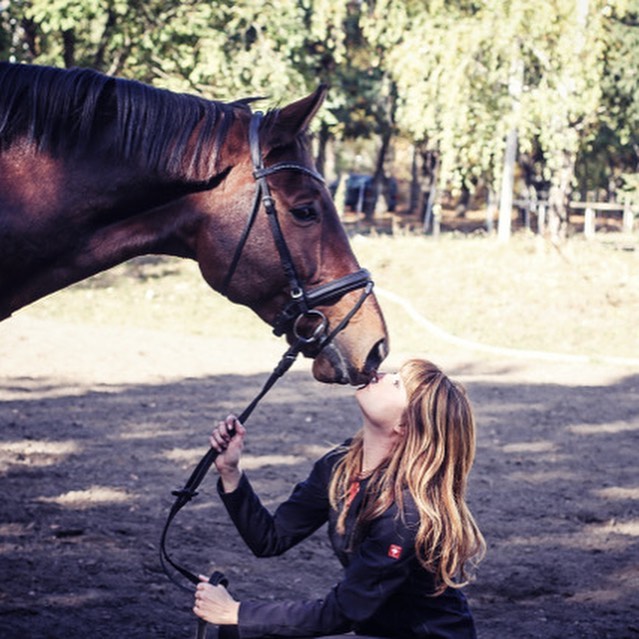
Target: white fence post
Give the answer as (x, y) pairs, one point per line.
(541, 218)
(628, 218)
(589, 223)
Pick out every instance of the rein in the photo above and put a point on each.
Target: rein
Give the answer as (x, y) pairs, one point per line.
(300, 307)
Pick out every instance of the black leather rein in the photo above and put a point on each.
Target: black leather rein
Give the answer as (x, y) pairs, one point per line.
(299, 311)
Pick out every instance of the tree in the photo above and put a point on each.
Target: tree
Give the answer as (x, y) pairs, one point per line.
(451, 87)
(114, 36)
(607, 159)
(470, 83)
(456, 65)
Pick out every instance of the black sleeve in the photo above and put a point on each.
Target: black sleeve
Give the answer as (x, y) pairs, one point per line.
(381, 564)
(297, 518)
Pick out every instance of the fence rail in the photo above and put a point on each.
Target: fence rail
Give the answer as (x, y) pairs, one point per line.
(627, 209)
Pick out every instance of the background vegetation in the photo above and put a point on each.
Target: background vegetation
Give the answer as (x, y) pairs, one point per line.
(454, 96)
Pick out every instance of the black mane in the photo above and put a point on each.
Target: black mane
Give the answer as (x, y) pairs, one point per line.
(75, 111)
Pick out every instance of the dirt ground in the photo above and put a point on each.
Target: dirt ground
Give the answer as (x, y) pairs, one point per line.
(98, 425)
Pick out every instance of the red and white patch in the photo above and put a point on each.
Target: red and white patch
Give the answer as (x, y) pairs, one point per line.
(394, 551)
(352, 493)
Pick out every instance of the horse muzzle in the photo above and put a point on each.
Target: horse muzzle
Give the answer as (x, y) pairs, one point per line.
(338, 363)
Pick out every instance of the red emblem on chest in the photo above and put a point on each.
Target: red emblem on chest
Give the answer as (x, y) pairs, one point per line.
(352, 493)
(394, 551)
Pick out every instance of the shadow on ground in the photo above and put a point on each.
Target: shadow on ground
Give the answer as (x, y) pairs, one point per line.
(87, 478)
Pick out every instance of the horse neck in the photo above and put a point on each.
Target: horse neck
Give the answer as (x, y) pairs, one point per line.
(112, 190)
(63, 221)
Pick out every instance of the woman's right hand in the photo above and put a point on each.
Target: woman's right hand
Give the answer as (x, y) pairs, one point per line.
(227, 439)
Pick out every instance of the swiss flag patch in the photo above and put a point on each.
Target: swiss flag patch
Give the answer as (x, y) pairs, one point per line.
(394, 551)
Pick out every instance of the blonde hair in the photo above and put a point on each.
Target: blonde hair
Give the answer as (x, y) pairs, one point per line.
(432, 460)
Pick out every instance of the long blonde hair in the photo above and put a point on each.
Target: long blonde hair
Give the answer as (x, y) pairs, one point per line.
(432, 460)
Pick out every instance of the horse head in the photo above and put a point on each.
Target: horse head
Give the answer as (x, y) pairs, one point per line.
(280, 248)
(97, 170)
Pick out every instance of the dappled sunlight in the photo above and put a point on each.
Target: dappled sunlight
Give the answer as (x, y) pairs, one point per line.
(35, 453)
(541, 477)
(542, 451)
(628, 528)
(607, 428)
(554, 488)
(315, 451)
(10, 533)
(618, 493)
(530, 447)
(612, 536)
(184, 455)
(144, 430)
(89, 498)
(624, 580)
(17, 388)
(13, 529)
(601, 596)
(249, 462)
(76, 600)
(252, 462)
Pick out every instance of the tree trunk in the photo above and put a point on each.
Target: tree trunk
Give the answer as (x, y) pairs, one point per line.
(515, 90)
(432, 197)
(491, 207)
(322, 142)
(559, 198)
(378, 176)
(426, 177)
(507, 185)
(68, 40)
(31, 38)
(107, 34)
(387, 126)
(413, 202)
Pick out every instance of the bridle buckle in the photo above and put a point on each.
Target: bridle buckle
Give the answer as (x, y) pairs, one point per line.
(269, 204)
(318, 332)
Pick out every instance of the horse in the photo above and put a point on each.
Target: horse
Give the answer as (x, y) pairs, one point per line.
(96, 170)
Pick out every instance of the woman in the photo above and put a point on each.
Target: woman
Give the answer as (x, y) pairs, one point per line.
(394, 499)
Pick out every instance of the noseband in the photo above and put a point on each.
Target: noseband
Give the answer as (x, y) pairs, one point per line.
(302, 304)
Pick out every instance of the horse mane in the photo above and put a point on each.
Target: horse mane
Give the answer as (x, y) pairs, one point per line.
(79, 111)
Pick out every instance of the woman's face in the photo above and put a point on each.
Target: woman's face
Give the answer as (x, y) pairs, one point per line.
(383, 401)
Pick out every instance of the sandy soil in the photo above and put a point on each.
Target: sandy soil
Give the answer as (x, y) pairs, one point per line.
(98, 425)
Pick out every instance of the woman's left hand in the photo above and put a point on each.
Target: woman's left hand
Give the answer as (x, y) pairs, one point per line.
(214, 604)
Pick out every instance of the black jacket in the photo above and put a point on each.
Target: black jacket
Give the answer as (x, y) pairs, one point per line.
(384, 592)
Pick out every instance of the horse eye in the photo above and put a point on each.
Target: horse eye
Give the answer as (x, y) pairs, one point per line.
(305, 213)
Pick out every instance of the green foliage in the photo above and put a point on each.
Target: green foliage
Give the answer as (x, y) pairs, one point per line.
(452, 76)
(456, 70)
(620, 76)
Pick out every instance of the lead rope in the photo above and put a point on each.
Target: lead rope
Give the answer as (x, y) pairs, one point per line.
(184, 496)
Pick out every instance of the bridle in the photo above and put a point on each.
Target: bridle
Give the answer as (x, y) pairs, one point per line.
(302, 302)
(300, 309)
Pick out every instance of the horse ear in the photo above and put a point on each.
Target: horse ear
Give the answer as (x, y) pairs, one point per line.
(294, 118)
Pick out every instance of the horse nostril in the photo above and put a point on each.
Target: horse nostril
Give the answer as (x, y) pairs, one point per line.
(376, 356)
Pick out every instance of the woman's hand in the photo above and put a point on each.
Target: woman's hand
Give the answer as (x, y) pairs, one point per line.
(228, 440)
(214, 604)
